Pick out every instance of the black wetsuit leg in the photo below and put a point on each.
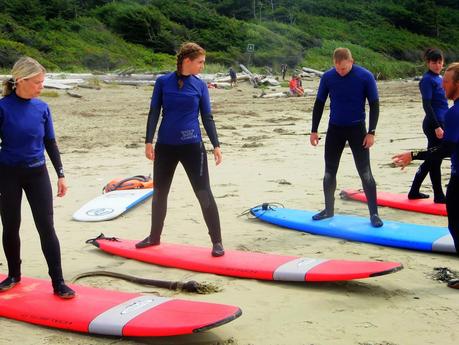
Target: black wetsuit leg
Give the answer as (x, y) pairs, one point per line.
(430, 166)
(37, 187)
(194, 160)
(452, 200)
(362, 162)
(334, 145)
(165, 163)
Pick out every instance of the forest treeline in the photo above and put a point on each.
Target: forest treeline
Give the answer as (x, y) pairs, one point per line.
(386, 36)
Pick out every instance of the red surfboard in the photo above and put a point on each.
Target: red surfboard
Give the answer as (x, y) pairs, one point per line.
(108, 312)
(399, 201)
(245, 264)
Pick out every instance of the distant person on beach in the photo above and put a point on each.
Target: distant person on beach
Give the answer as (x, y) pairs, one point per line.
(449, 146)
(233, 76)
(435, 106)
(295, 86)
(349, 86)
(181, 96)
(283, 70)
(26, 131)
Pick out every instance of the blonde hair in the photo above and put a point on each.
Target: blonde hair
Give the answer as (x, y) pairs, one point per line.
(341, 54)
(187, 50)
(24, 68)
(455, 68)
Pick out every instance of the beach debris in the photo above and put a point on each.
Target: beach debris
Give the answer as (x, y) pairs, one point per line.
(56, 84)
(312, 71)
(189, 286)
(252, 144)
(253, 79)
(73, 94)
(281, 182)
(444, 274)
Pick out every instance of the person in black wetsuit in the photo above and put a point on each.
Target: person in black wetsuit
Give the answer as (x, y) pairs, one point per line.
(26, 131)
(181, 96)
(233, 76)
(349, 86)
(435, 106)
(449, 146)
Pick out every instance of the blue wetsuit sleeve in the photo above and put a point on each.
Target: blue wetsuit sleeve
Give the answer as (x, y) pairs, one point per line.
(427, 90)
(207, 118)
(322, 92)
(49, 128)
(153, 114)
(371, 89)
(430, 114)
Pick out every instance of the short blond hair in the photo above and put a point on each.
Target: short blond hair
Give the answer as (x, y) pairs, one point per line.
(455, 68)
(24, 68)
(341, 54)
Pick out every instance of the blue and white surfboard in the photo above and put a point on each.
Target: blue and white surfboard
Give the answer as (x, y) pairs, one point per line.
(353, 228)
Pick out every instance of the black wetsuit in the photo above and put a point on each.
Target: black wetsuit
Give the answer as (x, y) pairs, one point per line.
(449, 147)
(348, 95)
(179, 140)
(26, 131)
(435, 106)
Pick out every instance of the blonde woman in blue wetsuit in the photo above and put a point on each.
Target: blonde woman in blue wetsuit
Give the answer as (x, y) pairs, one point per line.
(180, 97)
(26, 131)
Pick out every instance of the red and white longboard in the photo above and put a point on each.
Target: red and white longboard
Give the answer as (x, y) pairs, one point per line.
(399, 201)
(108, 312)
(245, 264)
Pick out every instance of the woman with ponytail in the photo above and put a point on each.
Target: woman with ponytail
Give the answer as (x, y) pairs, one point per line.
(181, 97)
(26, 131)
(435, 106)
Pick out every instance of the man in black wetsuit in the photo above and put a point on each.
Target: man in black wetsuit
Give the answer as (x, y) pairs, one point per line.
(349, 86)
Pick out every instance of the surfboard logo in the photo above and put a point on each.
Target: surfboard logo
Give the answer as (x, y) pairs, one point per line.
(95, 212)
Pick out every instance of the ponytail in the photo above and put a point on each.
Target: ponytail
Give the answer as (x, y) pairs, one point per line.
(8, 86)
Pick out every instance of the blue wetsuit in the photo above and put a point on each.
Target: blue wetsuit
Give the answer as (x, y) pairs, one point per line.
(435, 106)
(26, 131)
(449, 147)
(348, 96)
(179, 140)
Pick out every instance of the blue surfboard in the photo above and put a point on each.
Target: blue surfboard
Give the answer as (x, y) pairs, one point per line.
(354, 228)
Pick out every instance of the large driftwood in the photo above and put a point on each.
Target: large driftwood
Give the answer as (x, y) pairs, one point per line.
(51, 84)
(253, 79)
(130, 82)
(313, 71)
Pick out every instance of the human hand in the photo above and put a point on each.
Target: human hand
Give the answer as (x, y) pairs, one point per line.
(61, 187)
(149, 151)
(314, 138)
(439, 132)
(218, 155)
(368, 141)
(402, 159)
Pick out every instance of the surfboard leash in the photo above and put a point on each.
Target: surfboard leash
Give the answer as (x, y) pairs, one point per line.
(266, 206)
(189, 286)
(93, 241)
(346, 196)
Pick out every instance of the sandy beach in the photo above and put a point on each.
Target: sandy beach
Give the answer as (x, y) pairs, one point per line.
(266, 158)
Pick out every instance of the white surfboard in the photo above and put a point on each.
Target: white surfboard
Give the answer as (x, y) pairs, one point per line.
(110, 205)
